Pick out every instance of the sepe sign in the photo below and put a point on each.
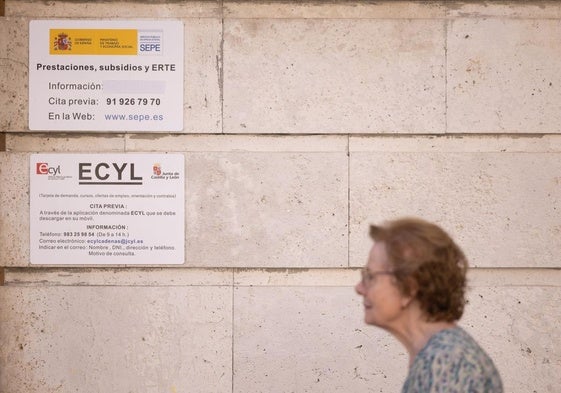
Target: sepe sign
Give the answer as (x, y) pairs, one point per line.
(106, 75)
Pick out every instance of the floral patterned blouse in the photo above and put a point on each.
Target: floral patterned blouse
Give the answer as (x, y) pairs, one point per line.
(452, 362)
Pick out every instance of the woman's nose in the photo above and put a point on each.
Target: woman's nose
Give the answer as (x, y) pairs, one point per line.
(359, 288)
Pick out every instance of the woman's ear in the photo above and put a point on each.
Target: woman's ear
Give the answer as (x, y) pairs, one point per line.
(410, 290)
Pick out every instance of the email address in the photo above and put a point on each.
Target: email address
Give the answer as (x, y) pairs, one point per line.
(115, 241)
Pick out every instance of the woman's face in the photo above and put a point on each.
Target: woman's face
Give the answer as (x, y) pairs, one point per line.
(383, 302)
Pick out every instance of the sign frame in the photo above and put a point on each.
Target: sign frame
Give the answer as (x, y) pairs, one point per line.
(107, 209)
(106, 75)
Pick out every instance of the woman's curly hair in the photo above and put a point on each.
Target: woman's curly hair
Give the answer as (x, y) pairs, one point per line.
(421, 251)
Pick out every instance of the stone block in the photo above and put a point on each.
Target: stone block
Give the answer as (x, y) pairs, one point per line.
(296, 277)
(503, 76)
(236, 143)
(4, 43)
(67, 142)
(334, 76)
(310, 339)
(266, 209)
(14, 209)
(104, 9)
(14, 74)
(503, 208)
(203, 70)
(116, 339)
(124, 276)
(254, 200)
(293, 335)
(4, 72)
(349, 10)
(504, 10)
(518, 327)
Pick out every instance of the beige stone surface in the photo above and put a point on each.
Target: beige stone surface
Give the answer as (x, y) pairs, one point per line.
(14, 209)
(395, 9)
(237, 143)
(458, 143)
(154, 329)
(519, 328)
(123, 276)
(334, 76)
(504, 9)
(528, 277)
(65, 142)
(116, 339)
(250, 277)
(4, 28)
(113, 9)
(266, 209)
(320, 277)
(203, 70)
(503, 208)
(503, 76)
(310, 339)
(4, 71)
(13, 74)
(276, 330)
(477, 277)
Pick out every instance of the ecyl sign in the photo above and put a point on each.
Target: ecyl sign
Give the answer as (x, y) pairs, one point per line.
(107, 209)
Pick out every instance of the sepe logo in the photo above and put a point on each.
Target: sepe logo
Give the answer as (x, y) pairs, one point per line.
(43, 168)
(150, 42)
(62, 42)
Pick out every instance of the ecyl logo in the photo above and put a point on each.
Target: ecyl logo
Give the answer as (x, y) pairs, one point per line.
(42, 168)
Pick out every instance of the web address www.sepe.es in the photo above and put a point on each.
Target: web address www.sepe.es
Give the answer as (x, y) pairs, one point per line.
(134, 117)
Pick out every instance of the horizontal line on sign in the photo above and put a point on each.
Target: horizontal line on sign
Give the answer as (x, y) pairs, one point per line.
(111, 183)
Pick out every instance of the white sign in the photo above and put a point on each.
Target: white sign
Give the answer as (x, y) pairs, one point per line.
(107, 209)
(110, 75)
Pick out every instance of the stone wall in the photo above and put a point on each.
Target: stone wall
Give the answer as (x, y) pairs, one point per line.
(303, 123)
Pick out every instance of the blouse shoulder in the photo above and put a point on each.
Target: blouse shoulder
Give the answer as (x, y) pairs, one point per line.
(452, 361)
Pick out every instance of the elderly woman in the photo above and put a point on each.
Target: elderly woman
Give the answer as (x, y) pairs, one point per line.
(413, 287)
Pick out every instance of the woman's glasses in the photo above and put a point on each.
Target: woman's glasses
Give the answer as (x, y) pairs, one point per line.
(368, 277)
